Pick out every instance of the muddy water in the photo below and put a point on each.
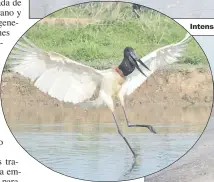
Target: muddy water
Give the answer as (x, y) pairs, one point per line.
(95, 151)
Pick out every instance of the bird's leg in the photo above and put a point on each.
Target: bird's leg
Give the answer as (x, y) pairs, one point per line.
(137, 125)
(119, 131)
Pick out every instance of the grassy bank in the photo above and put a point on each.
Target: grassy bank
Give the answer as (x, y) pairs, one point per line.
(101, 44)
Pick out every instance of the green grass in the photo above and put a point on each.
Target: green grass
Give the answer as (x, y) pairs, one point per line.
(101, 44)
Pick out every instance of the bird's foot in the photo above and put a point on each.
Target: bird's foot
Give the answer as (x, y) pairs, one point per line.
(136, 156)
(149, 127)
(137, 159)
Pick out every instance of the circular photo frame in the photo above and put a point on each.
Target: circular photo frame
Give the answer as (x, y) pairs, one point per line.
(107, 91)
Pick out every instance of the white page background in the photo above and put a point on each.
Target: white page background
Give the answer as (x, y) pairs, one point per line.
(31, 170)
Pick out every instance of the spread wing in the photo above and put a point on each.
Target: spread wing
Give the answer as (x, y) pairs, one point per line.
(157, 59)
(54, 74)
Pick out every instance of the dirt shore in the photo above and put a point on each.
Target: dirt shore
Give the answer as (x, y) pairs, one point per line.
(196, 166)
(172, 95)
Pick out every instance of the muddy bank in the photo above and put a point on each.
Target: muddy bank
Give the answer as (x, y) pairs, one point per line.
(195, 166)
(174, 95)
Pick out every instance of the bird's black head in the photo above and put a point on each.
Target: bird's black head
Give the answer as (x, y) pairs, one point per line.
(129, 62)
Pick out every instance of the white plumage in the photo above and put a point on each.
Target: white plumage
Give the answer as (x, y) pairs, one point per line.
(54, 74)
(155, 60)
(70, 81)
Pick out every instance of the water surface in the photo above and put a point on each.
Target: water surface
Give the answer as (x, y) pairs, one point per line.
(97, 152)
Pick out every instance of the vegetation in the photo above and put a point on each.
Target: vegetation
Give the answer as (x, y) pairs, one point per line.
(101, 43)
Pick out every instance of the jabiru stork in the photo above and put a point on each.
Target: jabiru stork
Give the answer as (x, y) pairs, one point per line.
(73, 82)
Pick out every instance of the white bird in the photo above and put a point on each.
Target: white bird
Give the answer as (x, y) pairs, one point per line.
(70, 81)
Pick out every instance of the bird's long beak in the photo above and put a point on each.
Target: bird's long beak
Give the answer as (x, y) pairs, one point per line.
(137, 59)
